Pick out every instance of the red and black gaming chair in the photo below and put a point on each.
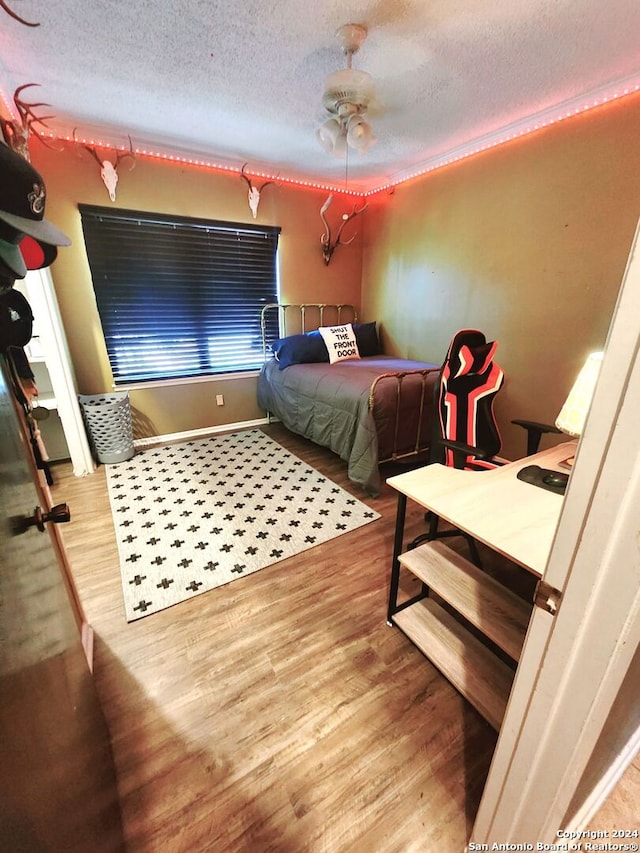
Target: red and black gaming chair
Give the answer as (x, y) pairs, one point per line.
(466, 433)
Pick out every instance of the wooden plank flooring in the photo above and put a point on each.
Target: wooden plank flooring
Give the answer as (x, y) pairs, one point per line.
(278, 712)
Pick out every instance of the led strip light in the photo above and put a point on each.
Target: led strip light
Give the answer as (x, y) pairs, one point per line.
(516, 131)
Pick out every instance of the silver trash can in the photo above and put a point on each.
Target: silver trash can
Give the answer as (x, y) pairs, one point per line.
(108, 421)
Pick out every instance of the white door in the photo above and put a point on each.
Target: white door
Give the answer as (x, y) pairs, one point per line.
(574, 662)
(58, 787)
(40, 293)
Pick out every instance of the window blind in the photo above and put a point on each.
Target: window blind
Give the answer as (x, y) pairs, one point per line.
(177, 296)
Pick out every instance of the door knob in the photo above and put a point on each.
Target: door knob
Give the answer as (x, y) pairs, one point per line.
(58, 514)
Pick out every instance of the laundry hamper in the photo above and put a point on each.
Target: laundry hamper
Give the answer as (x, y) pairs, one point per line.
(108, 421)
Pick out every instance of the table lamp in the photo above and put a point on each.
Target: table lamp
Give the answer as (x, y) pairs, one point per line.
(570, 421)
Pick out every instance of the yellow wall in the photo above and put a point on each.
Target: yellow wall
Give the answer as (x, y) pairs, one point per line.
(527, 242)
(72, 177)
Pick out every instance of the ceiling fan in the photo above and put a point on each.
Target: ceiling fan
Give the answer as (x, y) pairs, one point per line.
(347, 95)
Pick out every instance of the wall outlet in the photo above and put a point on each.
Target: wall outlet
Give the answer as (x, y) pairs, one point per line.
(219, 400)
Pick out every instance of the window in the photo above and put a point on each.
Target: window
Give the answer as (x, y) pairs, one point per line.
(179, 297)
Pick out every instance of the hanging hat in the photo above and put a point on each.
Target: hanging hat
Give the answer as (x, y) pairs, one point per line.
(16, 320)
(22, 204)
(35, 254)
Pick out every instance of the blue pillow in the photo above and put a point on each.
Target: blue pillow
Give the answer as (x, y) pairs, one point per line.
(367, 339)
(300, 349)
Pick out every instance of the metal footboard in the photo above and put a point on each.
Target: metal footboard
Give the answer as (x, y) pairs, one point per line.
(406, 435)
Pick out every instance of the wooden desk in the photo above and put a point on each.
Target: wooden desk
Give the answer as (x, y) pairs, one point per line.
(512, 517)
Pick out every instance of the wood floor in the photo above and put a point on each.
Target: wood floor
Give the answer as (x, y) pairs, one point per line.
(278, 712)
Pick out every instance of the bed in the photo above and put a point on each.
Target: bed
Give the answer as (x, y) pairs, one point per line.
(369, 409)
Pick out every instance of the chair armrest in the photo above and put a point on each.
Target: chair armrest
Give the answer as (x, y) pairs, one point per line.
(535, 431)
(467, 449)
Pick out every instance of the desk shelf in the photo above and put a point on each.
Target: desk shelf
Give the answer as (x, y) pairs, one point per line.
(510, 517)
(500, 614)
(471, 666)
(482, 678)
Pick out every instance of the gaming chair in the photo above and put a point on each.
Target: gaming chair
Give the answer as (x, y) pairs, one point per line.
(466, 434)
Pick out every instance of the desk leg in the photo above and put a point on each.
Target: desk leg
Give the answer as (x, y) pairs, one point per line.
(397, 550)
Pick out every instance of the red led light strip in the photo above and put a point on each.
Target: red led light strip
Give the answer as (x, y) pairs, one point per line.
(519, 130)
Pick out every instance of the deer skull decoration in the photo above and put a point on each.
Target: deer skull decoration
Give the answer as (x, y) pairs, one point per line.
(329, 247)
(16, 133)
(109, 170)
(254, 192)
(10, 12)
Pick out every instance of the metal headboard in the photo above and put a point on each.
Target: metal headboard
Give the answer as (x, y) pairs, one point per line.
(295, 319)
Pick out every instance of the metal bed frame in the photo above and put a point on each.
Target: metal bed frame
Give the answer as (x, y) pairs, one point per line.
(293, 319)
(286, 327)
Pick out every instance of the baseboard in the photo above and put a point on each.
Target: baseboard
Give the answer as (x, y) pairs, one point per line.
(86, 636)
(153, 440)
(606, 783)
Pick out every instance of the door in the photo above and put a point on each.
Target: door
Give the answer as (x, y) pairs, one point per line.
(575, 662)
(57, 785)
(52, 346)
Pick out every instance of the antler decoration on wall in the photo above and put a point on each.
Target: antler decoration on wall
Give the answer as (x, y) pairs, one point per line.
(329, 247)
(254, 192)
(16, 133)
(10, 12)
(109, 170)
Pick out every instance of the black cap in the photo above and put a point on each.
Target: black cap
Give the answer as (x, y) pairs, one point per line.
(22, 204)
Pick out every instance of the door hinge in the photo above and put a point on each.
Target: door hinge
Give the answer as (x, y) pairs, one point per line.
(547, 597)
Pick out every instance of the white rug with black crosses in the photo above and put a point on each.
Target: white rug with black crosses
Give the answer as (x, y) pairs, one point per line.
(190, 517)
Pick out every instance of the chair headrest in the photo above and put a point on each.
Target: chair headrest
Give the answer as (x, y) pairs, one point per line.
(470, 353)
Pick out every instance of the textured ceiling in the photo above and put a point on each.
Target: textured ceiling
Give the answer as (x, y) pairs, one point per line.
(242, 82)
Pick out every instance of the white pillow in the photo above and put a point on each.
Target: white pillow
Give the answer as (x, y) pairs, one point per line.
(340, 341)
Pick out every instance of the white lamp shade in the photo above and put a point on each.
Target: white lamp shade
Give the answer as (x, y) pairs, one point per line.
(359, 134)
(328, 134)
(340, 148)
(574, 412)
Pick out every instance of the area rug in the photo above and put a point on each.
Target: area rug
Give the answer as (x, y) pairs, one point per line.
(190, 517)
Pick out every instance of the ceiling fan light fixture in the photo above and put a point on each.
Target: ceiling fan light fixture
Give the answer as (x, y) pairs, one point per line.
(347, 86)
(340, 148)
(359, 134)
(328, 133)
(346, 97)
(347, 111)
